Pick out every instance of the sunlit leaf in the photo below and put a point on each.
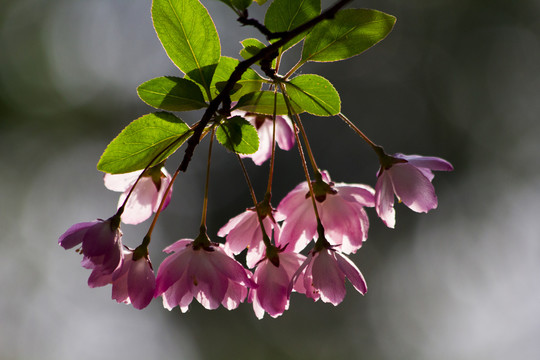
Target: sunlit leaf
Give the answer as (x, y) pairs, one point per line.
(171, 93)
(189, 37)
(150, 138)
(285, 15)
(249, 82)
(314, 94)
(238, 135)
(351, 32)
(262, 102)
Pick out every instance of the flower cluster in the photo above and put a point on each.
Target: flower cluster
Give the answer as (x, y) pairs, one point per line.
(332, 215)
(301, 245)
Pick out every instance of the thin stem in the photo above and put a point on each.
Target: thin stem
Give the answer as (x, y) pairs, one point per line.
(359, 132)
(294, 68)
(308, 148)
(273, 155)
(206, 186)
(266, 239)
(302, 157)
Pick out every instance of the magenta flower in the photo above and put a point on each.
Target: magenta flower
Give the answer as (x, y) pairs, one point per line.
(263, 124)
(205, 273)
(273, 291)
(325, 273)
(341, 210)
(146, 196)
(409, 177)
(134, 282)
(101, 243)
(244, 231)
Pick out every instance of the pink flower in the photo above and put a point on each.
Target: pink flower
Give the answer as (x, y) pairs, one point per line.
(273, 291)
(244, 231)
(263, 124)
(146, 196)
(409, 177)
(325, 273)
(341, 210)
(134, 282)
(206, 273)
(101, 243)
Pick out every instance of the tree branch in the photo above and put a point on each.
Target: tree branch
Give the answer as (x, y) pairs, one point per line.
(268, 52)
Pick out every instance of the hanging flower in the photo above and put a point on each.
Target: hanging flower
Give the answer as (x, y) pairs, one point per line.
(101, 243)
(264, 126)
(341, 210)
(325, 273)
(206, 273)
(273, 278)
(409, 178)
(147, 195)
(244, 231)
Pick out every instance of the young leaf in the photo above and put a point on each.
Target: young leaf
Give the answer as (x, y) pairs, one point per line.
(153, 135)
(249, 82)
(238, 135)
(351, 32)
(252, 47)
(171, 93)
(189, 37)
(262, 102)
(285, 15)
(314, 94)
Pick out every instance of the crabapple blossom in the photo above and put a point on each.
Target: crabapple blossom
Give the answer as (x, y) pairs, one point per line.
(147, 195)
(101, 243)
(273, 291)
(244, 231)
(325, 273)
(409, 178)
(264, 126)
(134, 282)
(206, 273)
(341, 210)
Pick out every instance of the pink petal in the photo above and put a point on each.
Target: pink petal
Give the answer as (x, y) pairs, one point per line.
(284, 132)
(384, 200)
(172, 269)
(141, 283)
(413, 188)
(352, 273)
(75, 234)
(208, 284)
(429, 162)
(236, 293)
(140, 204)
(361, 194)
(328, 278)
(165, 181)
(272, 293)
(121, 182)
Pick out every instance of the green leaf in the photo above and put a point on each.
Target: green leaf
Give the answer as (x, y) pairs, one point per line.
(252, 47)
(189, 37)
(238, 135)
(351, 32)
(262, 102)
(150, 138)
(261, 2)
(249, 82)
(314, 94)
(171, 93)
(285, 15)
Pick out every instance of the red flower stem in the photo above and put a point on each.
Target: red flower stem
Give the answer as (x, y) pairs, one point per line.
(266, 239)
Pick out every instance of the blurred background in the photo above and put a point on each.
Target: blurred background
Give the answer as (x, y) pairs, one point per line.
(455, 79)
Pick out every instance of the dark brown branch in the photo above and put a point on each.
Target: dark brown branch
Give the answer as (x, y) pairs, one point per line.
(268, 52)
